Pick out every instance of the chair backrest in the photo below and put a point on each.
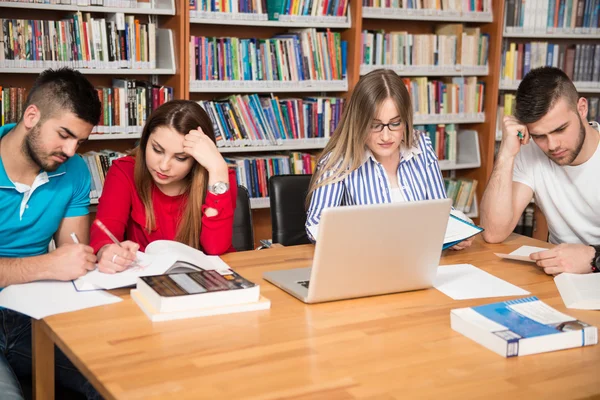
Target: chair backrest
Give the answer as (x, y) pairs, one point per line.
(287, 195)
(243, 235)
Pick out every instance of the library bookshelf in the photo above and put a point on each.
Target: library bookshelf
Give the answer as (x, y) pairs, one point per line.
(551, 29)
(475, 161)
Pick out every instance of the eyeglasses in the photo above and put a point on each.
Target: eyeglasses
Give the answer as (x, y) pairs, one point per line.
(392, 126)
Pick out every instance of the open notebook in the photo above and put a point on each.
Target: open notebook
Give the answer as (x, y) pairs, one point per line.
(161, 256)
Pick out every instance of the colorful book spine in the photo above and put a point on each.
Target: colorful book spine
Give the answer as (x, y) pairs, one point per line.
(581, 62)
(254, 172)
(304, 55)
(78, 41)
(253, 120)
(12, 103)
(451, 96)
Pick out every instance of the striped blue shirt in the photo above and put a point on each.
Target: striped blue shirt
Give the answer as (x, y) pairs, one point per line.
(419, 177)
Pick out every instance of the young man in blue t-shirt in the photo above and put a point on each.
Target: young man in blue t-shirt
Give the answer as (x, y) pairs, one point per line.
(44, 193)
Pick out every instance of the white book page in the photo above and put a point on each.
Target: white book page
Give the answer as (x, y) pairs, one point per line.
(465, 281)
(44, 298)
(522, 253)
(458, 230)
(158, 258)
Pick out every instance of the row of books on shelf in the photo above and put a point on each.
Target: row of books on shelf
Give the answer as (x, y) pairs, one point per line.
(451, 45)
(254, 172)
(313, 8)
(228, 6)
(581, 62)
(98, 163)
(128, 103)
(245, 120)
(97, 3)
(272, 9)
(525, 225)
(550, 16)
(298, 56)
(12, 100)
(462, 192)
(78, 41)
(450, 96)
(508, 100)
(453, 6)
(443, 139)
(124, 107)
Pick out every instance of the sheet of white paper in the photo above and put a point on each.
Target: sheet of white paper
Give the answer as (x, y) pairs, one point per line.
(465, 281)
(580, 291)
(459, 230)
(156, 265)
(44, 298)
(522, 253)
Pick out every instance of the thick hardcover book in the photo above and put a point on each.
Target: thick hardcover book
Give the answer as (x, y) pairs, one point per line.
(522, 327)
(197, 289)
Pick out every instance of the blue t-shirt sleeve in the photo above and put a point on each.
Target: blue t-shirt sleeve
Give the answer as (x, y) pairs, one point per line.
(81, 182)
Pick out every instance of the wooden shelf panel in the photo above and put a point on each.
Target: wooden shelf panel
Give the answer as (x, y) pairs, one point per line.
(267, 86)
(429, 70)
(584, 87)
(578, 33)
(286, 145)
(163, 8)
(424, 15)
(259, 20)
(449, 119)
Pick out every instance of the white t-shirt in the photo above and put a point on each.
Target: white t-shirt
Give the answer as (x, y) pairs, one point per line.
(568, 196)
(397, 196)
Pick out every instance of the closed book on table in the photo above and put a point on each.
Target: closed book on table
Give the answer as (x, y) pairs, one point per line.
(197, 289)
(522, 327)
(155, 316)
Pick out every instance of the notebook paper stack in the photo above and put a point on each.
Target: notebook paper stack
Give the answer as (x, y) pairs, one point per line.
(196, 294)
(522, 327)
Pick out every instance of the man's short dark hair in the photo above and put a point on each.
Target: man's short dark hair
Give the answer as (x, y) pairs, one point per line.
(539, 91)
(65, 90)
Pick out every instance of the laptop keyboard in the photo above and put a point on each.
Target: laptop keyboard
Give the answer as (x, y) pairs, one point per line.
(304, 283)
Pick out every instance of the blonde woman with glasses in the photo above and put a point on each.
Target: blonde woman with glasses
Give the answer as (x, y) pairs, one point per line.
(375, 156)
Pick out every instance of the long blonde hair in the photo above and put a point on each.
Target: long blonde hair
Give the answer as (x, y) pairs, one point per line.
(346, 149)
(181, 116)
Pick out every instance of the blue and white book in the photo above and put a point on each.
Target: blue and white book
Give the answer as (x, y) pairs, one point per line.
(522, 327)
(458, 230)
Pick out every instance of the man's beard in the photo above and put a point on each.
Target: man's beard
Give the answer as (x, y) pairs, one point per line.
(32, 150)
(572, 155)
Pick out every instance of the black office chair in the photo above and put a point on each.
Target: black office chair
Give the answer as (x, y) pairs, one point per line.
(243, 235)
(287, 195)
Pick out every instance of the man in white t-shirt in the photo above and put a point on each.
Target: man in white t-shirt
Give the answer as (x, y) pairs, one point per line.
(550, 151)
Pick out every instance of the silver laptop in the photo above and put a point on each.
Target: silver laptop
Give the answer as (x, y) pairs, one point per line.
(370, 250)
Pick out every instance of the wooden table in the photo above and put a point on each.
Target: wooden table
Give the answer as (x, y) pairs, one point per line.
(383, 347)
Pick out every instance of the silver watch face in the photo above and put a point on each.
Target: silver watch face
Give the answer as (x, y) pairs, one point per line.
(219, 188)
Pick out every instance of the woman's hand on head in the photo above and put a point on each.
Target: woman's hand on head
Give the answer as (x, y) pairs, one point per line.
(113, 258)
(204, 150)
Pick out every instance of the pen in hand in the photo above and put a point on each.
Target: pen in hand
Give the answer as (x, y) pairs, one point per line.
(112, 237)
(75, 238)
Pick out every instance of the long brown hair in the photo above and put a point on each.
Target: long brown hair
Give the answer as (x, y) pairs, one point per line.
(345, 150)
(182, 116)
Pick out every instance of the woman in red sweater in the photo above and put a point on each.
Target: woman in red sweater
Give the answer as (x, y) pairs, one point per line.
(174, 186)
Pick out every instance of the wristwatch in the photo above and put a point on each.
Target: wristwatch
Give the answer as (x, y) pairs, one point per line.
(596, 259)
(218, 187)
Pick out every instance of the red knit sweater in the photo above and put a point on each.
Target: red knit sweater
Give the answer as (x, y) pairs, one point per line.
(122, 211)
